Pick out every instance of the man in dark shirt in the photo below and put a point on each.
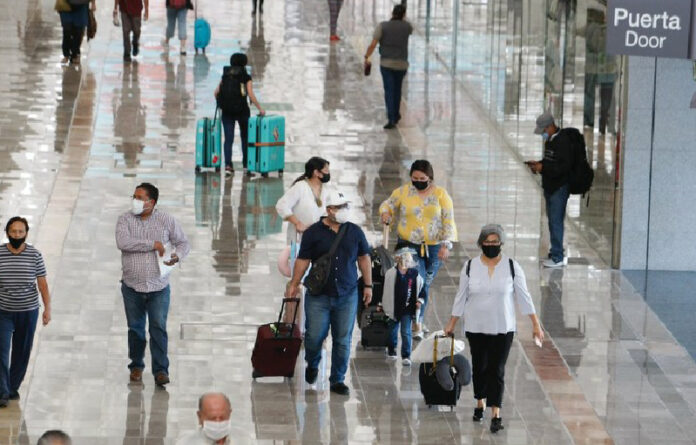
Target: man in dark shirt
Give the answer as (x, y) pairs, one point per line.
(555, 170)
(337, 304)
(131, 11)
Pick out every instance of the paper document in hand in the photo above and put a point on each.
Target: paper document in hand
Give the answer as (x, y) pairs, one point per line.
(165, 270)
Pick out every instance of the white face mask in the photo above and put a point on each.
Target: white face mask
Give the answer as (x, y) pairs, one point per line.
(138, 206)
(216, 430)
(342, 215)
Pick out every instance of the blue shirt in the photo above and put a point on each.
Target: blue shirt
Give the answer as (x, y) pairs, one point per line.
(317, 240)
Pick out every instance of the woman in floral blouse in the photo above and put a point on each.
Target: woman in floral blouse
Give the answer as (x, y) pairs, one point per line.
(426, 223)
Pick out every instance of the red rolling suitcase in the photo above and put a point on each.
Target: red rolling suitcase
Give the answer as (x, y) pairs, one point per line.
(277, 346)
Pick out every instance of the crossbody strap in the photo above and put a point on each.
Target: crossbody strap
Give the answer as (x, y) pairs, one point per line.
(337, 241)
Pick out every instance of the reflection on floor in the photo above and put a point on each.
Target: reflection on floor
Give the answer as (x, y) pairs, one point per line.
(612, 372)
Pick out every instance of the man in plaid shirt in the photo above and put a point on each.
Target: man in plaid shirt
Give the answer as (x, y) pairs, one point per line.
(141, 236)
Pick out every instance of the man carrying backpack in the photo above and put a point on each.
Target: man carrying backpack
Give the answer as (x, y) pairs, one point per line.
(555, 170)
(231, 95)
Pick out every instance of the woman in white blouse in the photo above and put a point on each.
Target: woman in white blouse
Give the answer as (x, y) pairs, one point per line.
(489, 287)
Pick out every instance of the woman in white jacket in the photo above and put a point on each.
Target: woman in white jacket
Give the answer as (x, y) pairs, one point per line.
(489, 287)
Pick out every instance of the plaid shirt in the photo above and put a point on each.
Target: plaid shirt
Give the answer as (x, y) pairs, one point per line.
(135, 238)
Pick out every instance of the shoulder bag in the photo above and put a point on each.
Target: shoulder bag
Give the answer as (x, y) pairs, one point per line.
(319, 273)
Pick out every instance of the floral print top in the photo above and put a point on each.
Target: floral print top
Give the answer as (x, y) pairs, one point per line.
(429, 219)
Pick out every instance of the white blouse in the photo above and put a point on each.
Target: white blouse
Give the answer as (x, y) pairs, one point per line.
(487, 304)
(299, 200)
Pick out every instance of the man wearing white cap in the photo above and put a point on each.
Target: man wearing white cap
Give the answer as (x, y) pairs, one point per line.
(555, 171)
(331, 299)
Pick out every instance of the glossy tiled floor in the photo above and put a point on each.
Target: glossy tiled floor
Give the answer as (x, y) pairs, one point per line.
(76, 142)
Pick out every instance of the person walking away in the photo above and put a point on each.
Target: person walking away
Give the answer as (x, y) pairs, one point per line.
(334, 9)
(143, 235)
(54, 437)
(177, 11)
(392, 37)
(490, 286)
(402, 301)
(21, 270)
(253, 6)
(74, 23)
(131, 20)
(555, 170)
(231, 96)
(425, 223)
(334, 306)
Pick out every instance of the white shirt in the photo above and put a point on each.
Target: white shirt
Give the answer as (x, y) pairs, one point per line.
(198, 438)
(487, 304)
(299, 200)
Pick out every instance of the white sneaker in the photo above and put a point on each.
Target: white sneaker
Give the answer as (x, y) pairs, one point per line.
(552, 264)
(418, 335)
(425, 329)
(406, 362)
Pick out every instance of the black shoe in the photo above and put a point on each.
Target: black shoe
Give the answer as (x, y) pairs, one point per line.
(4, 400)
(126, 58)
(14, 396)
(310, 375)
(136, 48)
(253, 13)
(391, 353)
(398, 118)
(340, 388)
(478, 414)
(389, 126)
(496, 424)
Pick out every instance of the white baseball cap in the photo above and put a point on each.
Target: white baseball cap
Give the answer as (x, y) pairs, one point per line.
(336, 199)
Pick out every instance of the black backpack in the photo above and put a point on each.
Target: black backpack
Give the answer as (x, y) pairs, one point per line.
(581, 174)
(232, 98)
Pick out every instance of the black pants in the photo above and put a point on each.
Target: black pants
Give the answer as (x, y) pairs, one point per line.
(489, 353)
(253, 3)
(72, 40)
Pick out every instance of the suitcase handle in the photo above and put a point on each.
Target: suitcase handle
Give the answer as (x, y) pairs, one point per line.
(280, 315)
(451, 336)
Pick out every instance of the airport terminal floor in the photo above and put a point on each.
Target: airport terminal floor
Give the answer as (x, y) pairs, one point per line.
(76, 140)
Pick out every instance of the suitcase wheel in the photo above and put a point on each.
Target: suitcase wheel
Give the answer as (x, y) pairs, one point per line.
(280, 173)
(255, 374)
(291, 375)
(217, 169)
(264, 175)
(198, 169)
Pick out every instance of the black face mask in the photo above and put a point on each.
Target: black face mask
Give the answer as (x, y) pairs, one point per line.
(420, 185)
(491, 251)
(16, 243)
(326, 178)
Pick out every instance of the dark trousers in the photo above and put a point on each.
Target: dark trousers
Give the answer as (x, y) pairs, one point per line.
(489, 353)
(228, 126)
(556, 203)
(253, 4)
(130, 23)
(392, 80)
(16, 334)
(606, 93)
(72, 40)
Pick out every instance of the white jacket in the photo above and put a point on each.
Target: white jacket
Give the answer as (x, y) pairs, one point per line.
(388, 293)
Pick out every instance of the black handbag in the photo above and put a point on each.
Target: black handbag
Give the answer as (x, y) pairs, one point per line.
(319, 273)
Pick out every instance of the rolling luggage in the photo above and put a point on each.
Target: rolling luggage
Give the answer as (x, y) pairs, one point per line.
(266, 144)
(207, 200)
(277, 347)
(209, 143)
(201, 32)
(375, 326)
(261, 216)
(433, 393)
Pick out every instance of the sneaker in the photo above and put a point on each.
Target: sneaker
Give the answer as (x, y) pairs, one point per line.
(340, 388)
(389, 126)
(161, 378)
(4, 401)
(127, 58)
(248, 173)
(496, 424)
(391, 353)
(229, 170)
(478, 414)
(14, 395)
(310, 375)
(553, 264)
(425, 329)
(418, 335)
(136, 375)
(75, 60)
(64, 60)
(136, 48)
(406, 362)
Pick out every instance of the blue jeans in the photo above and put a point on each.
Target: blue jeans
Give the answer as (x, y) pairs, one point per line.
(555, 210)
(228, 126)
(322, 311)
(174, 16)
(405, 325)
(141, 306)
(392, 79)
(16, 333)
(427, 269)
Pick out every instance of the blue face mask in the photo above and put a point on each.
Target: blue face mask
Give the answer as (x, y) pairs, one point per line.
(545, 136)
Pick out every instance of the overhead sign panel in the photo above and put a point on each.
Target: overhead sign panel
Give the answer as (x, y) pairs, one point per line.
(655, 28)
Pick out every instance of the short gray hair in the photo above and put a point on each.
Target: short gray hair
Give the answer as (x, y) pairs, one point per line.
(202, 399)
(490, 229)
(54, 437)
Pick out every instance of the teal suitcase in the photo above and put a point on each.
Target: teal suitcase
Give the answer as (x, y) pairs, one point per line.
(207, 200)
(261, 216)
(266, 144)
(208, 143)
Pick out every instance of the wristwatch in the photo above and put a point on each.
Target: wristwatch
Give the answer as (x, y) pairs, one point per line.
(447, 244)
(369, 286)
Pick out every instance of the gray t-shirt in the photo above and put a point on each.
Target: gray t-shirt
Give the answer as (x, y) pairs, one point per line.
(392, 36)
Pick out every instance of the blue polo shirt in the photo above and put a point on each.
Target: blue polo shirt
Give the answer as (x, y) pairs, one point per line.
(317, 240)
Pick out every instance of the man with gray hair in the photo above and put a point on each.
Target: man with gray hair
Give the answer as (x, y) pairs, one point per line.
(54, 437)
(555, 169)
(214, 412)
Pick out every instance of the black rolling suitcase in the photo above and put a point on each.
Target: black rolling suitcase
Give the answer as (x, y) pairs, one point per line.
(375, 326)
(433, 393)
